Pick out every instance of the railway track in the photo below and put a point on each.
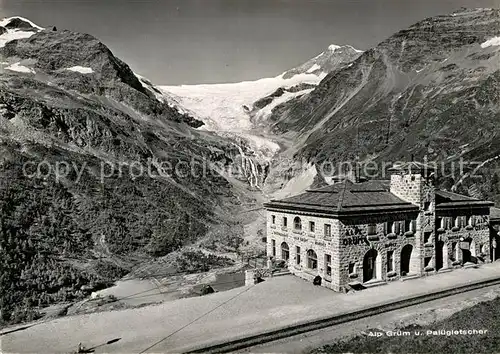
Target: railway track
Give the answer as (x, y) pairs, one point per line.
(289, 331)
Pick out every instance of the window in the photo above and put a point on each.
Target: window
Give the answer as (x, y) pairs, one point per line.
(407, 225)
(312, 226)
(459, 221)
(297, 255)
(328, 264)
(410, 225)
(442, 222)
(427, 206)
(274, 247)
(389, 227)
(427, 237)
(352, 268)
(390, 261)
(285, 222)
(447, 222)
(396, 227)
(312, 260)
(285, 253)
(471, 220)
(328, 230)
(297, 224)
(372, 229)
(273, 219)
(427, 261)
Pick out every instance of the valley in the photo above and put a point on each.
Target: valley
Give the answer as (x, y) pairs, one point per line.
(429, 91)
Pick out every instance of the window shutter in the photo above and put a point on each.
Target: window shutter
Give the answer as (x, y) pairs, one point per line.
(386, 227)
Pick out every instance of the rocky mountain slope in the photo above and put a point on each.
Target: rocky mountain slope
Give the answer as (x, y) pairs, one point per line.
(429, 90)
(97, 174)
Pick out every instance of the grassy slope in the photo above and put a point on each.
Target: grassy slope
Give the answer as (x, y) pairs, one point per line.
(59, 241)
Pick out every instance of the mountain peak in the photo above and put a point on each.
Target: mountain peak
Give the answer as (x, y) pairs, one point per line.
(12, 28)
(19, 23)
(329, 60)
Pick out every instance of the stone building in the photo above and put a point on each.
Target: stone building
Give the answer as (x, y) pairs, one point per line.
(354, 233)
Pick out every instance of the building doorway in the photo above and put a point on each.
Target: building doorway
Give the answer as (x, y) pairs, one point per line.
(466, 248)
(439, 255)
(466, 256)
(405, 259)
(370, 265)
(285, 252)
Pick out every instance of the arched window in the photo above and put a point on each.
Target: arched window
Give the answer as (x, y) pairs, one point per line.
(297, 223)
(312, 259)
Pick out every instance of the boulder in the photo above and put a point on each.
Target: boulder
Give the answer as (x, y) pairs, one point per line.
(207, 289)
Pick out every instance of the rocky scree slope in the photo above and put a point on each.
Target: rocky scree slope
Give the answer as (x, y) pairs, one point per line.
(429, 90)
(67, 101)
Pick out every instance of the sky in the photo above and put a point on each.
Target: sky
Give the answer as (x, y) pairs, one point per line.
(175, 42)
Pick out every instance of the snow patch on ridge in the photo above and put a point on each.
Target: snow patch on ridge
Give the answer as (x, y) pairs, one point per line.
(20, 68)
(81, 69)
(495, 41)
(356, 50)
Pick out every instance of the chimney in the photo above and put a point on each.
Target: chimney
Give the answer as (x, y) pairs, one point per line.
(354, 172)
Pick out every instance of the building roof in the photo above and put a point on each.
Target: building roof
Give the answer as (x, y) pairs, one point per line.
(346, 198)
(446, 199)
(371, 196)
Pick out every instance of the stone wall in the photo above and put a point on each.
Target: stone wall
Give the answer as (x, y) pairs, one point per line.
(407, 187)
(355, 243)
(450, 237)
